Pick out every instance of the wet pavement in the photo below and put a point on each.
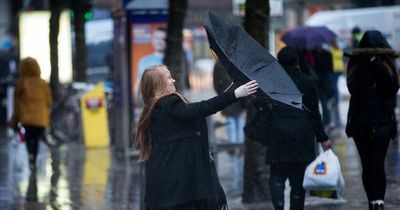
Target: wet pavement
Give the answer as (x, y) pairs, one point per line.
(71, 177)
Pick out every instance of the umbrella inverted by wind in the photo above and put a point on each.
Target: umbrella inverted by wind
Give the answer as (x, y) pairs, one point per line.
(308, 37)
(245, 59)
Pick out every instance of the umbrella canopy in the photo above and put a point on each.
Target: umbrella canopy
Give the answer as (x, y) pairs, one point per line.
(308, 37)
(245, 59)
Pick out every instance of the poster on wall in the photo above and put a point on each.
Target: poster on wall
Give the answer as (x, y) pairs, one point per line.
(147, 47)
(148, 25)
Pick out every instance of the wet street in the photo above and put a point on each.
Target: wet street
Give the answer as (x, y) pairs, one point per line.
(72, 177)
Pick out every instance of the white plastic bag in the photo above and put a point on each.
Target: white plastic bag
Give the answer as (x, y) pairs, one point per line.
(324, 173)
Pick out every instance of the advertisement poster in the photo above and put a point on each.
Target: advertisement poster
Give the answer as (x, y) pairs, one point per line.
(148, 25)
(147, 48)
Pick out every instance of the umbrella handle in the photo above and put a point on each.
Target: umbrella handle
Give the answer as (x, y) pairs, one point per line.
(228, 87)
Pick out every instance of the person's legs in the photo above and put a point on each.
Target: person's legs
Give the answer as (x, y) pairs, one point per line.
(33, 134)
(32, 143)
(277, 185)
(378, 175)
(364, 147)
(297, 192)
(239, 124)
(326, 113)
(334, 77)
(335, 107)
(230, 129)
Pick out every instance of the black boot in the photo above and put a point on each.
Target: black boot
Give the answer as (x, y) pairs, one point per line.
(370, 206)
(277, 188)
(297, 199)
(380, 207)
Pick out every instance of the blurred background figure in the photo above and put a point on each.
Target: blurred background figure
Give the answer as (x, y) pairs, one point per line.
(373, 83)
(188, 57)
(32, 105)
(323, 67)
(337, 71)
(234, 115)
(356, 35)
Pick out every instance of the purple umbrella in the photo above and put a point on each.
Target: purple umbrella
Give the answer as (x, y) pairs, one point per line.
(308, 37)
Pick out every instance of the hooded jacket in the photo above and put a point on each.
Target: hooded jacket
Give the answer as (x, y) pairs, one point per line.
(289, 133)
(32, 96)
(373, 83)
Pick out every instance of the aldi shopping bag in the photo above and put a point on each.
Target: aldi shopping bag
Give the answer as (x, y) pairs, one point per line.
(324, 174)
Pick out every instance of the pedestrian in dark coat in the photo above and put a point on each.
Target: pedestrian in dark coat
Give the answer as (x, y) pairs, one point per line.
(373, 83)
(323, 66)
(289, 134)
(173, 140)
(234, 113)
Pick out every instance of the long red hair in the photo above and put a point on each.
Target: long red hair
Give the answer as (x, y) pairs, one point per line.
(153, 87)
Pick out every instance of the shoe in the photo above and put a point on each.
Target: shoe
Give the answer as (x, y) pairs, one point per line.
(380, 207)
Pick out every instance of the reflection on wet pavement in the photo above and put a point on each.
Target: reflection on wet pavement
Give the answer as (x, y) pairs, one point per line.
(71, 177)
(68, 177)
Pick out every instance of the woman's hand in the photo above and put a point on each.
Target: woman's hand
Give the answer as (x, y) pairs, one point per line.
(246, 89)
(326, 145)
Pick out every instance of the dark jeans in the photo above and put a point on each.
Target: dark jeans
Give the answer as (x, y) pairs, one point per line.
(33, 134)
(326, 112)
(372, 154)
(334, 77)
(294, 171)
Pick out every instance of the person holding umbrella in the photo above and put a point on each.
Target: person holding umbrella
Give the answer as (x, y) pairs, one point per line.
(173, 140)
(289, 135)
(372, 81)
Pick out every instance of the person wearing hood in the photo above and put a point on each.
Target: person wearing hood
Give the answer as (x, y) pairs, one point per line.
(373, 83)
(32, 104)
(289, 134)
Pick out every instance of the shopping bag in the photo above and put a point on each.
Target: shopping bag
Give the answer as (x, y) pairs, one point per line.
(324, 174)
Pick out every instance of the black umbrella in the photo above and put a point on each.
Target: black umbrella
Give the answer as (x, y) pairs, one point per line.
(245, 59)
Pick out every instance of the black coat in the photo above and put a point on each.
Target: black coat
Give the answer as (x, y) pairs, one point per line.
(372, 83)
(289, 133)
(323, 66)
(179, 169)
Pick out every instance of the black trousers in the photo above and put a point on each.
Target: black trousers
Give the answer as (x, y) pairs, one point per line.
(372, 153)
(294, 171)
(33, 134)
